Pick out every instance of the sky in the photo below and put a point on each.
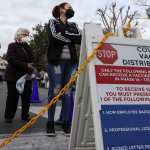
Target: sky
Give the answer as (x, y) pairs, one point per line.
(28, 13)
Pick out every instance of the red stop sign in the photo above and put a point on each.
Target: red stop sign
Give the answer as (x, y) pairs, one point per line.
(107, 54)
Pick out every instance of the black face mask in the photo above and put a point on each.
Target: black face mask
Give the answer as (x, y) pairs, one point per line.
(69, 13)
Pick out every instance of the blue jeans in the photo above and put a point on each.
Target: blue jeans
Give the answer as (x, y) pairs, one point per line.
(58, 76)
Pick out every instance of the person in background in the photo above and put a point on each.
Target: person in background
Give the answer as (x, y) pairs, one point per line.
(41, 78)
(20, 59)
(46, 80)
(62, 59)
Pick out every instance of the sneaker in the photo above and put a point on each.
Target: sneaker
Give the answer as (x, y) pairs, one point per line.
(66, 128)
(50, 129)
(8, 120)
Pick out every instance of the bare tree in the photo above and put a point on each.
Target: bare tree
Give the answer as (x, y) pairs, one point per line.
(113, 17)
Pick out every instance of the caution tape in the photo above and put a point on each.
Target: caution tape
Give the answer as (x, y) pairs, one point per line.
(33, 120)
(127, 28)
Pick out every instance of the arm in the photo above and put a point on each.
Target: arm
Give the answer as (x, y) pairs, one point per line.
(73, 33)
(65, 35)
(56, 32)
(29, 51)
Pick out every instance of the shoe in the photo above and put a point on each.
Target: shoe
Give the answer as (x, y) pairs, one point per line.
(8, 120)
(50, 129)
(66, 128)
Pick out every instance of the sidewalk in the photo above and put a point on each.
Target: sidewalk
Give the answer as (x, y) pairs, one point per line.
(39, 141)
(34, 138)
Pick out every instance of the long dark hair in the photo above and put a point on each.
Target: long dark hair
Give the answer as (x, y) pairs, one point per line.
(56, 9)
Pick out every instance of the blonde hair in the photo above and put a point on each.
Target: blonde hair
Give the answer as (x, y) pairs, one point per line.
(19, 33)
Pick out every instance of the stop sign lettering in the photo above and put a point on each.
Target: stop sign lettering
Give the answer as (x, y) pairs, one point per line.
(107, 54)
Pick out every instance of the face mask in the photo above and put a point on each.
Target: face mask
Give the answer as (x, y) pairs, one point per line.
(25, 39)
(69, 13)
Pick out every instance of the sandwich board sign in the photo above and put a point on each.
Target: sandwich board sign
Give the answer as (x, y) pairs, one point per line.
(112, 101)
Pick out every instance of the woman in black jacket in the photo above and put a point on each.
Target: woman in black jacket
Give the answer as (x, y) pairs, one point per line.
(62, 59)
(20, 58)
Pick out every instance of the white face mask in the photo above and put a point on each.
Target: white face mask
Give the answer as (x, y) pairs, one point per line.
(25, 39)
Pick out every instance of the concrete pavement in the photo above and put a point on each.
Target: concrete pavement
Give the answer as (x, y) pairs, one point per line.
(34, 138)
(38, 141)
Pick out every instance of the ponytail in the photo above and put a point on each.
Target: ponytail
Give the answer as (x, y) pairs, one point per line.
(56, 12)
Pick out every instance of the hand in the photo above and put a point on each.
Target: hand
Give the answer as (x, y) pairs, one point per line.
(30, 65)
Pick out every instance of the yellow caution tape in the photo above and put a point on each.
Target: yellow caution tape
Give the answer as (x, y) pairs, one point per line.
(127, 29)
(33, 120)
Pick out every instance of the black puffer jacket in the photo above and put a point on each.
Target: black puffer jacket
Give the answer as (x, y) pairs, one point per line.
(61, 34)
(18, 56)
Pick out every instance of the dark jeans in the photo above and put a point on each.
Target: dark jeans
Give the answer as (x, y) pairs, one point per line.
(59, 76)
(13, 97)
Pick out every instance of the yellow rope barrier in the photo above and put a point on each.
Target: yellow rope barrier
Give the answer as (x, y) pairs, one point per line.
(127, 28)
(33, 120)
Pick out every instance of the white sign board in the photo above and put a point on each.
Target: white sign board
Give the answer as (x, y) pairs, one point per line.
(112, 105)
